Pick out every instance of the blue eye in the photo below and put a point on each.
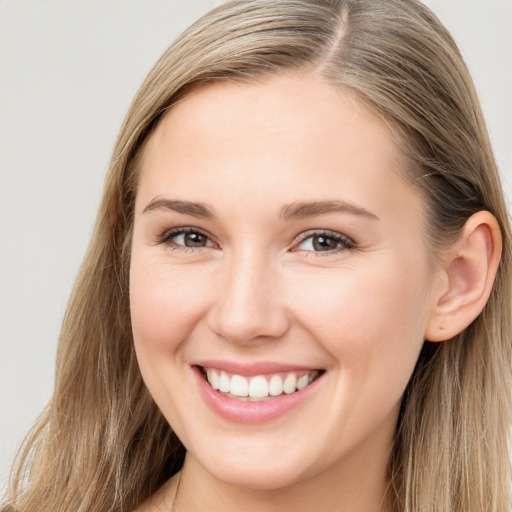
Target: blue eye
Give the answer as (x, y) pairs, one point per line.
(325, 241)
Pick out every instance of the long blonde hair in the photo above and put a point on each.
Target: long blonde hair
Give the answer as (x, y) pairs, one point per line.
(102, 444)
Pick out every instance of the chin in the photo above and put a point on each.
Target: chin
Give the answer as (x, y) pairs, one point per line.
(257, 478)
(255, 473)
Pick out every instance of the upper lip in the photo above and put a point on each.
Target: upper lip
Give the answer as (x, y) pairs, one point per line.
(253, 368)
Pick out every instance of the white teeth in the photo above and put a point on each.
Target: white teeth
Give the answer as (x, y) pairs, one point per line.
(302, 382)
(275, 386)
(224, 382)
(213, 378)
(258, 387)
(239, 386)
(290, 383)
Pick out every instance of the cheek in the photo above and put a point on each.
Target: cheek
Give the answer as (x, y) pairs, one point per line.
(372, 324)
(367, 318)
(164, 304)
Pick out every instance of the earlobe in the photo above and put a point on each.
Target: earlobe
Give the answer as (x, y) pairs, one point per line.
(467, 276)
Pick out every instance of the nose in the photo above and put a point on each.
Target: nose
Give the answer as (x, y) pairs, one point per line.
(249, 303)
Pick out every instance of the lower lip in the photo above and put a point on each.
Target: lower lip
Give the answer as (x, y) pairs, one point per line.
(239, 411)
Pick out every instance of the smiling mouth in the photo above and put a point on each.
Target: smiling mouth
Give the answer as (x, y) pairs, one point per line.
(259, 388)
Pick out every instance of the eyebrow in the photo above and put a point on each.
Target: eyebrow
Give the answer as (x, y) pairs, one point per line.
(300, 210)
(296, 210)
(186, 207)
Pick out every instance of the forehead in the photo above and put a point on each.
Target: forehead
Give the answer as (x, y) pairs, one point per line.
(290, 136)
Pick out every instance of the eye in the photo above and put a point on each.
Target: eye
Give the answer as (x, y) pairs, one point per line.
(324, 241)
(186, 238)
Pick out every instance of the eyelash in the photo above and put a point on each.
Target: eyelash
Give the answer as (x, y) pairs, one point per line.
(167, 236)
(344, 242)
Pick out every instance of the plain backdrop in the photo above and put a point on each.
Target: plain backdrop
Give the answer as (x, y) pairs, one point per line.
(68, 71)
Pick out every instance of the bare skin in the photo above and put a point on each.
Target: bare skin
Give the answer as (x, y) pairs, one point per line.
(273, 224)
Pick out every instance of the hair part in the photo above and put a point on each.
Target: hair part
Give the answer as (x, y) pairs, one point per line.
(102, 444)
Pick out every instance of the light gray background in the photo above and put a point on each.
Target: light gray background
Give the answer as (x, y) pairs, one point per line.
(68, 71)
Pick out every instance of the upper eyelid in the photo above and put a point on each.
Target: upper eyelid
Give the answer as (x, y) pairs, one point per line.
(346, 243)
(167, 234)
(327, 232)
(170, 233)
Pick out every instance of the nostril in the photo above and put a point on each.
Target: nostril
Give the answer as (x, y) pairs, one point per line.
(248, 306)
(256, 325)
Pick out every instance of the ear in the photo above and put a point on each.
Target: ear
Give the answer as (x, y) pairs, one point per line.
(466, 277)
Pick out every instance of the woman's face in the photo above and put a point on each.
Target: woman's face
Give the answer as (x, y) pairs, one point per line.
(276, 246)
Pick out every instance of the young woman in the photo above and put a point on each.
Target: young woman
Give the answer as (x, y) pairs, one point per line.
(297, 295)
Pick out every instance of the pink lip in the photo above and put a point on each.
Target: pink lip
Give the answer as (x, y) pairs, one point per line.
(252, 369)
(239, 411)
